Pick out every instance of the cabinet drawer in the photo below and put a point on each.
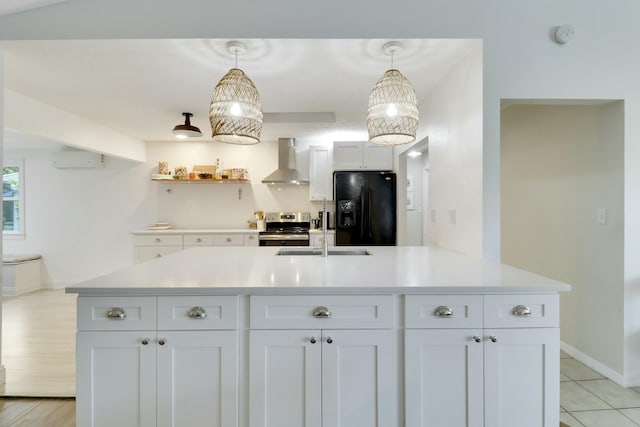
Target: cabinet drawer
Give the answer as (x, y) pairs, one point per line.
(251, 240)
(146, 253)
(158, 240)
(198, 240)
(116, 313)
(517, 311)
(197, 312)
(228, 240)
(342, 312)
(443, 311)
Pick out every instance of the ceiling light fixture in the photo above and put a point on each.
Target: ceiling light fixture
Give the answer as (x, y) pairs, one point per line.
(392, 116)
(236, 112)
(186, 130)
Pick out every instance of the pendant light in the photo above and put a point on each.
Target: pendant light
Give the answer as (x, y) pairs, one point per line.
(235, 112)
(186, 130)
(392, 116)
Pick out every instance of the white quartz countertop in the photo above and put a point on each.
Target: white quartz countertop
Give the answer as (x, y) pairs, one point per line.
(258, 270)
(212, 231)
(198, 231)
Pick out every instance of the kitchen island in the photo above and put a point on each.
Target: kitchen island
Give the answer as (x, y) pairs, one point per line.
(238, 336)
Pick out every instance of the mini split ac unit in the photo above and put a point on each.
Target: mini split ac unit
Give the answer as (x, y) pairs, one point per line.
(77, 160)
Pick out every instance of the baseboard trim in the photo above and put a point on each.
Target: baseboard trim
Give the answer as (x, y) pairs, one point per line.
(597, 366)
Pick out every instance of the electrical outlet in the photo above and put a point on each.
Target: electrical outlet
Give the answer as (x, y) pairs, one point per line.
(602, 216)
(452, 216)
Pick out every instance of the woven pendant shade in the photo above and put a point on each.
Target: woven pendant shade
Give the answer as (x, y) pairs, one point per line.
(236, 112)
(392, 117)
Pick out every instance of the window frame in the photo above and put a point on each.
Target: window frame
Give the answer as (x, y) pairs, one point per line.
(20, 233)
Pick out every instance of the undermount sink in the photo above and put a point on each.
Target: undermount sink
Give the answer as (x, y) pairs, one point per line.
(318, 251)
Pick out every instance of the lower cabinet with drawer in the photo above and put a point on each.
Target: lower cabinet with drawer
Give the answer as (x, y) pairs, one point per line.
(167, 373)
(482, 361)
(318, 360)
(331, 375)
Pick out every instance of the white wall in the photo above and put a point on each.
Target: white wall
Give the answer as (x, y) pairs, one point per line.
(415, 168)
(218, 205)
(79, 220)
(452, 118)
(559, 165)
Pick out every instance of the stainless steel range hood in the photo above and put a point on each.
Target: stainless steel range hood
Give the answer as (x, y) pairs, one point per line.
(286, 172)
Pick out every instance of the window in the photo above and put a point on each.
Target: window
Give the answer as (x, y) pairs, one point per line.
(12, 199)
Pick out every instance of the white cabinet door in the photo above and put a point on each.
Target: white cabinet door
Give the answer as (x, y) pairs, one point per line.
(116, 379)
(377, 157)
(522, 377)
(197, 378)
(347, 155)
(320, 173)
(356, 155)
(358, 371)
(444, 378)
(284, 378)
(317, 239)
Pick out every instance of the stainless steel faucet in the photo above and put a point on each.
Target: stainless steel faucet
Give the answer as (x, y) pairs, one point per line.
(325, 241)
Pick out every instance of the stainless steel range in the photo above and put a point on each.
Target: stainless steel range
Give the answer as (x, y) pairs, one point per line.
(285, 229)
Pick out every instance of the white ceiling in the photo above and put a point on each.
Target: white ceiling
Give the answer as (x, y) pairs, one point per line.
(141, 87)
(13, 6)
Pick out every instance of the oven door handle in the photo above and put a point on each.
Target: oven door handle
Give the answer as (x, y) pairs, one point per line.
(283, 237)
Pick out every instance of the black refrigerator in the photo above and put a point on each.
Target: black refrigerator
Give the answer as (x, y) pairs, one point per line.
(365, 211)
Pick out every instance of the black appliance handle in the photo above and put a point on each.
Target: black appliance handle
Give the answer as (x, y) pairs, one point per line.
(369, 213)
(362, 214)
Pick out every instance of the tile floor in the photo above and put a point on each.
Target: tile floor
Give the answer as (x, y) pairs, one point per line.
(591, 400)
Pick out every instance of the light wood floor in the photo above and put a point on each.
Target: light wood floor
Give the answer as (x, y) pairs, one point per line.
(38, 345)
(32, 412)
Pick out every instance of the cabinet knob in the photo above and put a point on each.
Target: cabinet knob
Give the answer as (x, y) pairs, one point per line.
(493, 338)
(228, 240)
(521, 311)
(158, 240)
(321, 312)
(116, 313)
(197, 313)
(329, 340)
(477, 338)
(162, 341)
(144, 341)
(158, 255)
(199, 240)
(443, 311)
(313, 340)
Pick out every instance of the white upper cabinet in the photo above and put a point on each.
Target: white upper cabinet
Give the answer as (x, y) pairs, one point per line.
(320, 173)
(356, 155)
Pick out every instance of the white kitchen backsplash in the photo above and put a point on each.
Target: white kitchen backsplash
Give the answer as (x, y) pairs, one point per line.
(217, 205)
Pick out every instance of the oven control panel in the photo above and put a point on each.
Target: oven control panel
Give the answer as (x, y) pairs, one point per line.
(287, 217)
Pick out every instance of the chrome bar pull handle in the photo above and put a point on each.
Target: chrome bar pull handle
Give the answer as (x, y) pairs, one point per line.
(197, 313)
(321, 313)
(116, 313)
(443, 311)
(521, 311)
